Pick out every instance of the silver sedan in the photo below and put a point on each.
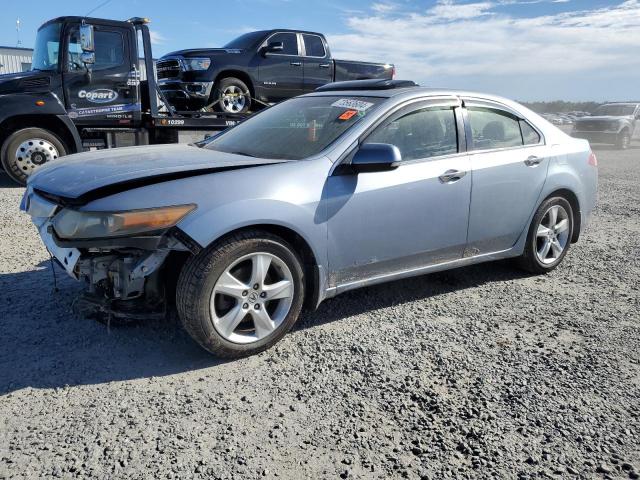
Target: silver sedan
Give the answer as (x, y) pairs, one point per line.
(353, 185)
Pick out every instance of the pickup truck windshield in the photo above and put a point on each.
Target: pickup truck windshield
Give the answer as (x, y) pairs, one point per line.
(295, 129)
(615, 110)
(45, 52)
(246, 41)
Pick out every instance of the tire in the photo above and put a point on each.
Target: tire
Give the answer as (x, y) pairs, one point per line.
(205, 312)
(534, 259)
(231, 86)
(39, 146)
(623, 141)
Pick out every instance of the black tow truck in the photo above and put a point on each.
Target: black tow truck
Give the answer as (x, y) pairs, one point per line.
(92, 86)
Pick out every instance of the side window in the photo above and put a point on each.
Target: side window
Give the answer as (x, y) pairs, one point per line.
(289, 42)
(313, 46)
(529, 135)
(109, 50)
(422, 133)
(493, 129)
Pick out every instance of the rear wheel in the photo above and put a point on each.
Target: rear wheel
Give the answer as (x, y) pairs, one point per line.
(27, 149)
(242, 295)
(232, 96)
(624, 140)
(549, 236)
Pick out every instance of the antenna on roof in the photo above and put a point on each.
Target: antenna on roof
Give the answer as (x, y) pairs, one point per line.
(98, 7)
(19, 43)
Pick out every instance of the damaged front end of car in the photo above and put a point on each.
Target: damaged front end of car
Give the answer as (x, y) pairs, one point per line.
(122, 256)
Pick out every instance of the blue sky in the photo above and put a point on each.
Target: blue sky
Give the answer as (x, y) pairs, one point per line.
(524, 49)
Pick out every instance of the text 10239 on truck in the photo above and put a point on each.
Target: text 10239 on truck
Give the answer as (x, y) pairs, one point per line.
(92, 85)
(257, 68)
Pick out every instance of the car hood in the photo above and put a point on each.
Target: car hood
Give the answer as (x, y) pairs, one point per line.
(207, 52)
(603, 117)
(24, 81)
(78, 179)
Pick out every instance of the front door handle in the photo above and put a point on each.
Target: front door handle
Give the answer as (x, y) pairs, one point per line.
(451, 176)
(324, 65)
(532, 161)
(296, 64)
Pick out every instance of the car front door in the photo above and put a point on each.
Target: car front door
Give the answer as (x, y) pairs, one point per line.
(413, 216)
(318, 66)
(281, 72)
(107, 90)
(509, 164)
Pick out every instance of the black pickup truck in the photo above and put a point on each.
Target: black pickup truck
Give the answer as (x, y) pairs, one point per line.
(256, 68)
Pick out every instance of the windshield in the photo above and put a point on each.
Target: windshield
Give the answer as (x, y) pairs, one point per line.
(295, 129)
(246, 41)
(45, 52)
(615, 110)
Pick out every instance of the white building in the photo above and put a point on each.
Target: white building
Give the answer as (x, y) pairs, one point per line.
(14, 59)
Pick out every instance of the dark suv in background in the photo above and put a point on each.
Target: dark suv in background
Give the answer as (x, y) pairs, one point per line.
(611, 123)
(258, 67)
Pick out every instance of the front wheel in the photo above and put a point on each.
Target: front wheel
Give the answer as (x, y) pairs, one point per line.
(624, 140)
(232, 96)
(27, 149)
(549, 236)
(241, 295)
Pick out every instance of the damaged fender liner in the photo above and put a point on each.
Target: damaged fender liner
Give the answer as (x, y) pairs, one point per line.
(123, 186)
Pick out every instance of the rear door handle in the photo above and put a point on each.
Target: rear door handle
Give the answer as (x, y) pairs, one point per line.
(296, 64)
(451, 176)
(532, 161)
(324, 65)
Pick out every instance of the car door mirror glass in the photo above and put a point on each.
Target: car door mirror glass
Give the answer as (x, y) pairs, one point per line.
(86, 38)
(376, 157)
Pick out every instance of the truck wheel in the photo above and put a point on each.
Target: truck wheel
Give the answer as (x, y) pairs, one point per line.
(25, 150)
(241, 295)
(624, 140)
(232, 96)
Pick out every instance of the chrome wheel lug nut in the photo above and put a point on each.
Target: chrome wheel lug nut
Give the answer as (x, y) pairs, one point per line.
(246, 305)
(245, 293)
(256, 286)
(263, 295)
(257, 306)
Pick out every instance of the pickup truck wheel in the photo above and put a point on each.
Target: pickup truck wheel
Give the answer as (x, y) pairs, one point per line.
(241, 295)
(232, 96)
(27, 149)
(624, 140)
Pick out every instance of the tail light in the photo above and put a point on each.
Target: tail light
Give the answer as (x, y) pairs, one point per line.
(393, 73)
(593, 161)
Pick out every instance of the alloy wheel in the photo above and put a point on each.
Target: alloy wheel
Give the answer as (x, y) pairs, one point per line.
(552, 234)
(233, 100)
(252, 298)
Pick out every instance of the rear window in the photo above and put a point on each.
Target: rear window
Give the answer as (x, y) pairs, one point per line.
(529, 135)
(313, 45)
(493, 129)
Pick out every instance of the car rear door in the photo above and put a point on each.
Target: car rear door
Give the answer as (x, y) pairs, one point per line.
(509, 163)
(413, 216)
(318, 66)
(281, 73)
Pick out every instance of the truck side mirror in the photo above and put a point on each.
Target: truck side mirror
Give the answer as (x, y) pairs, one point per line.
(273, 47)
(86, 38)
(88, 58)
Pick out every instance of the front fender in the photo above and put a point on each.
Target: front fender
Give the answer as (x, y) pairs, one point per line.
(15, 104)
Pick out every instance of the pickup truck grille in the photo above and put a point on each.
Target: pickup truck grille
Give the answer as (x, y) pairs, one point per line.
(592, 125)
(168, 69)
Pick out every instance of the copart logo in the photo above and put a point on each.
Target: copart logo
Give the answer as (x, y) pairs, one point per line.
(101, 95)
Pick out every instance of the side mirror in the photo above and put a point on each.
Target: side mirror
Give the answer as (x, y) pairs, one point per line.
(88, 58)
(274, 47)
(376, 157)
(86, 38)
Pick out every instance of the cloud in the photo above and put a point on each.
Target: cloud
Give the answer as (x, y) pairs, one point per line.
(157, 38)
(460, 42)
(383, 7)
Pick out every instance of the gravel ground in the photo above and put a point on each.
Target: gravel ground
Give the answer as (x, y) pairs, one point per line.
(474, 373)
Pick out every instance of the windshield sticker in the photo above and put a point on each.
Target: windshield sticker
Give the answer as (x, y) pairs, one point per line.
(348, 114)
(352, 104)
